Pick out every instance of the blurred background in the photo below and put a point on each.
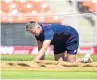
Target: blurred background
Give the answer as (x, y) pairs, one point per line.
(81, 14)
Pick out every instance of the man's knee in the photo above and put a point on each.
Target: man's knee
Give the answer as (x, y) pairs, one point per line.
(71, 57)
(59, 56)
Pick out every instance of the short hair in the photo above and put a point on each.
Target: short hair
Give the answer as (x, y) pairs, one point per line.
(30, 24)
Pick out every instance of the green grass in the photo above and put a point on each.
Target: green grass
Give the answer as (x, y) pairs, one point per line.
(31, 57)
(22, 57)
(29, 74)
(20, 74)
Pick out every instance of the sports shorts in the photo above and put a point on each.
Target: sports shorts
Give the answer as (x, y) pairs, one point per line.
(71, 46)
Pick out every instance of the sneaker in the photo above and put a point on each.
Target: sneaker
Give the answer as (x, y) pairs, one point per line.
(87, 58)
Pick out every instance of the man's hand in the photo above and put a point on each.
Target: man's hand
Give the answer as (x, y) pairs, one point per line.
(42, 51)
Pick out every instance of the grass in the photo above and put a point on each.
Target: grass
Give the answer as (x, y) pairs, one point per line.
(29, 74)
(31, 57)
(20, 74)
(22, 57)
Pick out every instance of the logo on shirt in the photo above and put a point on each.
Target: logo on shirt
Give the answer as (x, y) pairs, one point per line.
(75, 51)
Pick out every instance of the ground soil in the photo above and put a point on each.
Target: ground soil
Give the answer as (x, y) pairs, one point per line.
(47, 65)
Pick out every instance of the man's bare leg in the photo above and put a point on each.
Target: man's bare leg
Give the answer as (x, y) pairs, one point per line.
(59, 57)
(85, 59)
(73, 58)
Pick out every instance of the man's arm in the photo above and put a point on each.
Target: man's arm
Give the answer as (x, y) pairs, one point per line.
(48, 36)
(39, 47)
(42, 51)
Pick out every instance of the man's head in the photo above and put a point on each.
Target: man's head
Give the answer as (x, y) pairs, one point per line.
(34, 28)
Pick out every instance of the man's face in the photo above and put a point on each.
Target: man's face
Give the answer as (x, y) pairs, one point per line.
(35, 31)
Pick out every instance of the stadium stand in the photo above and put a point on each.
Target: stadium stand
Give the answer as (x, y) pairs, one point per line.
(22, 11)
(19, 11)
(92, 6)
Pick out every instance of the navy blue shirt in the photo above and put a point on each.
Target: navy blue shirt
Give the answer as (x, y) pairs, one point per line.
(57, 33)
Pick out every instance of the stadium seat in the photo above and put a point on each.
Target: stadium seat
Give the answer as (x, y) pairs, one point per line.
(5, 7)
(4, 19)
(21, 11)
(92, 6)
(51, 19)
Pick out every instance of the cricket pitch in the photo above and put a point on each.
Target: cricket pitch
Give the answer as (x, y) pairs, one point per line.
(46, 65)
